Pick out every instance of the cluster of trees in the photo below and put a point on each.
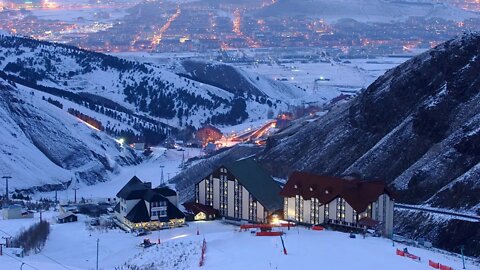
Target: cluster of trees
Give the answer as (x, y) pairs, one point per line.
(54, 102)
(92, 121)
(236, 115)
(20, 196)
(87, 59)
(33, 238)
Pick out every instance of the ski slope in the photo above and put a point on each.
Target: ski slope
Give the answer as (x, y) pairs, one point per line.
(72, 246)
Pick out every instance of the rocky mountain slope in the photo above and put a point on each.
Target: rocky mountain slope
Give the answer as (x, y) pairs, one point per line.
(43, 147)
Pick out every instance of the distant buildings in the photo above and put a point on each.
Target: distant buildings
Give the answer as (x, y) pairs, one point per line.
(352, 203)
(240, 190)
(141, 206)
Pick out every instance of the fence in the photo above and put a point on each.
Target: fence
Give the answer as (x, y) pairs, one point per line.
(437, 265)
(408, 255)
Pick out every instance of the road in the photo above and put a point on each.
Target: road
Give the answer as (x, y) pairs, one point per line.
(254, 134)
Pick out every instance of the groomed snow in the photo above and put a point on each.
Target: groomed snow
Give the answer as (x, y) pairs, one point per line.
(73, 246)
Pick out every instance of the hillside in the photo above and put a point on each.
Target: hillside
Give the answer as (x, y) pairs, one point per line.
(237, 81)
(44, 147)
(139, 90)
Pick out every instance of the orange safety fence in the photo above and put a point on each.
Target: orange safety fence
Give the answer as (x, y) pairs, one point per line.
(433, 264)
(413, 257)
(265, 226)
(269, 233)
(444, 267)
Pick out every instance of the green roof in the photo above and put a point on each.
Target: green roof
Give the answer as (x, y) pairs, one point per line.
(258, 182)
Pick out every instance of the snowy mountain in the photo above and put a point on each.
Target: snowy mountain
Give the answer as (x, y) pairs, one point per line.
(43, 147)
(138, 90)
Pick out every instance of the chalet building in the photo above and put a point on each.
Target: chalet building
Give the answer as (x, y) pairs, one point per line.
(67, 217)
(354, 203)
(200, 211)
(240, 190)
(141, 206)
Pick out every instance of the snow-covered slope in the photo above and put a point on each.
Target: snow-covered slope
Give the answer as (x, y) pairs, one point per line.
(235, 80)
(42, 146)
(142, 88)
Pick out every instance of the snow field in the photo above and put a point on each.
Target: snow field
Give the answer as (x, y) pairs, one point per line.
(74, 246)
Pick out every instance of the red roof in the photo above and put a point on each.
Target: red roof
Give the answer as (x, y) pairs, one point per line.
(357, 193)
(198, 207)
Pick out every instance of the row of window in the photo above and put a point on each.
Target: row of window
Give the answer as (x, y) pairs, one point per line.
(161, 213)
(223, 197)
(340, 211)
(158, 204)
(237, 199)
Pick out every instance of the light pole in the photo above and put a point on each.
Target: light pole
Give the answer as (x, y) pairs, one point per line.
(75, 196)
(463, 257)
(6, 188)
(98, 240)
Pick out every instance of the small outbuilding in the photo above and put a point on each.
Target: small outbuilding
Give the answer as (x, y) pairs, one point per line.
(67, 217)
(200, 211)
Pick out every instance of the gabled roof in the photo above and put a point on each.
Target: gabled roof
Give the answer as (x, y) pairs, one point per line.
(258, 182)
(198, 207)
(154, 195)
(139, 213)
(133, 189)
(173, 211)
(166, 191)
(357, 193)
(65, 215)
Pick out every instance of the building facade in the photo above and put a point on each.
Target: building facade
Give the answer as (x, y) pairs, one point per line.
(241, 190)
(315, 199)
(141, 206)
